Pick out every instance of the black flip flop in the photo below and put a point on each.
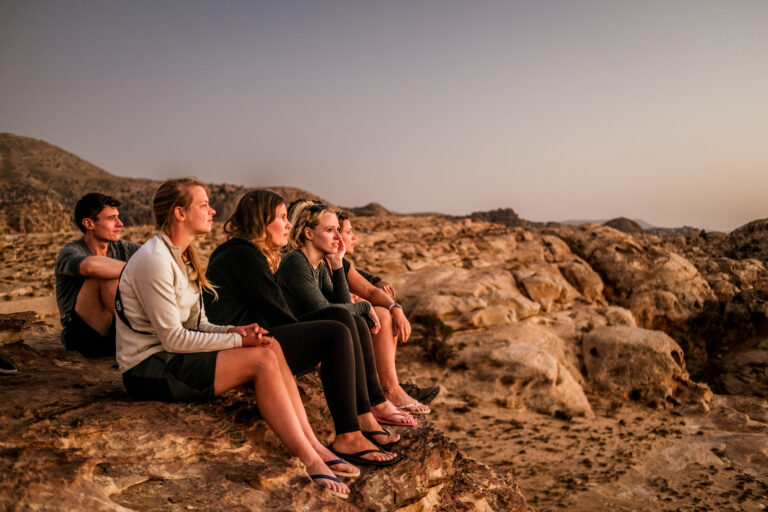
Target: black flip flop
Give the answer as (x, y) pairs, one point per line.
(357, 457)
(370, 435)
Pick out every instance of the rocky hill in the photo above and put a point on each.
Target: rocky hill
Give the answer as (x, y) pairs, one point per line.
(504, 216)
(624, 224)
(40, 184)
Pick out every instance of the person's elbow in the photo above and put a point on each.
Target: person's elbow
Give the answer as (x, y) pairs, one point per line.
(89, 267)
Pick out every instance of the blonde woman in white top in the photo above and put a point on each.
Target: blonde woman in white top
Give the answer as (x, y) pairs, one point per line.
(167, 350)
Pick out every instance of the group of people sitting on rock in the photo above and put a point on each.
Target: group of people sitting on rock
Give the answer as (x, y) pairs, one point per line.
(277, 299)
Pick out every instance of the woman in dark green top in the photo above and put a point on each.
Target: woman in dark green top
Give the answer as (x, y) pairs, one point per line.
(308, 287)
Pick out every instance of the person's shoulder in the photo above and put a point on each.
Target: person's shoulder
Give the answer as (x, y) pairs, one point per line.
(78, 244)
(237, 250)
(74, 247)
(124, 248)
(151, 252)
(293, 260)
(290, 256)
(235, 246)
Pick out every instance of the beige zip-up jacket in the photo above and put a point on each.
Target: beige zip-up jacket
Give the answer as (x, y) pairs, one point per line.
(159, 298)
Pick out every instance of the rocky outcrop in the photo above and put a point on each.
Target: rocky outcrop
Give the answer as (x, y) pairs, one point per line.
(14, 325)
(369, 210)
(663, 289)
(504, 216)
(86, 446)
(641, 365)
(624, 224)
(749, 241)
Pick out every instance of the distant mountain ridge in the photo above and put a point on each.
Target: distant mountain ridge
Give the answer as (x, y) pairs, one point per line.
(40, 184)
(576, 222)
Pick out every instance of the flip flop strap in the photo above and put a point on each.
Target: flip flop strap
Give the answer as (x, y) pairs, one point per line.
(335, 462)
(327, 477)
(384, 432)
(365, 452)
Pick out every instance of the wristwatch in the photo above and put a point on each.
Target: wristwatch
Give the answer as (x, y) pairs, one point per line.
(395, 305)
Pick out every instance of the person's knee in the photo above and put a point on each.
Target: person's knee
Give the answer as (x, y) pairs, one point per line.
(277, 350)
(96, 294)
(385, 318)
(338, 337)
(338, 330)
(261, 362)
(340, 315)
(107, 289)
(360, 323)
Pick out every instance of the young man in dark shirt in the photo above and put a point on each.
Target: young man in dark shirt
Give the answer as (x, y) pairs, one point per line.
(87, 272)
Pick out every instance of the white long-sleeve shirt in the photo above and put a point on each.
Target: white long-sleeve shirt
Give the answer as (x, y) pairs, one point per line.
(158, 298)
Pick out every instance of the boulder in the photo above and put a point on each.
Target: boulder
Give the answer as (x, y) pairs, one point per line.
(12, 326)
(584, 279)
(745, 371)
(516, 301)
(486, 317)
(539, 336)
(464, 298)
(616, 315)
(539, 380)
(749, 241)
(640, 364)
(524, 364)
(545, 286)
(446, 307)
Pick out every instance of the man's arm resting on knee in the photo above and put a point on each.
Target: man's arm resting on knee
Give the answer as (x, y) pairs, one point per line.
(101, 267)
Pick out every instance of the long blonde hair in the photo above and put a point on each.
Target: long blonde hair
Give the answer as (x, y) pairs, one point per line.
(169, 195)
(254, 212)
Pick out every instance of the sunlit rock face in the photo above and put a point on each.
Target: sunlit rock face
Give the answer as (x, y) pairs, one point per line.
(73, 440)
(639, 364)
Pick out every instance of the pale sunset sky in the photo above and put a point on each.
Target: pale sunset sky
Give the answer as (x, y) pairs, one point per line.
(593, 109)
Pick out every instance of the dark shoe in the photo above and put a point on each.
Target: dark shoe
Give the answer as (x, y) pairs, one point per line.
(423, 395)
(6, 367)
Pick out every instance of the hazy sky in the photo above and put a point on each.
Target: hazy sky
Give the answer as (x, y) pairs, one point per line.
(559, 109)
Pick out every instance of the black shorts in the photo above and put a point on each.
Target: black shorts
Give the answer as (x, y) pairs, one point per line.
(170, 377)
(81, 337)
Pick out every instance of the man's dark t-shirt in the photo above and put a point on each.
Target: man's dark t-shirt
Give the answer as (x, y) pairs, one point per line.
(68, 277)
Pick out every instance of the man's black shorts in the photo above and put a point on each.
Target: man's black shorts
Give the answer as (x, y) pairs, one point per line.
(171, 377)
(81, 337)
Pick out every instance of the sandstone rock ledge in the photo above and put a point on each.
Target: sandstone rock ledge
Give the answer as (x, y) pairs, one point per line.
(71, 439)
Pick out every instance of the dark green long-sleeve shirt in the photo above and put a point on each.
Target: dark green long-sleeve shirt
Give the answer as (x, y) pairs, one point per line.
(307, 289)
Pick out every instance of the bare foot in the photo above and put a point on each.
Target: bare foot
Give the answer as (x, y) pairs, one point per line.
(369, 424)
(388, 414)
(327, 455)
(353, 442)
(401, 399)
(319, 468)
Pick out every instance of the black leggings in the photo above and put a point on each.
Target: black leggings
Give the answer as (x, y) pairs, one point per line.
(367, 386)
(305, 344)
